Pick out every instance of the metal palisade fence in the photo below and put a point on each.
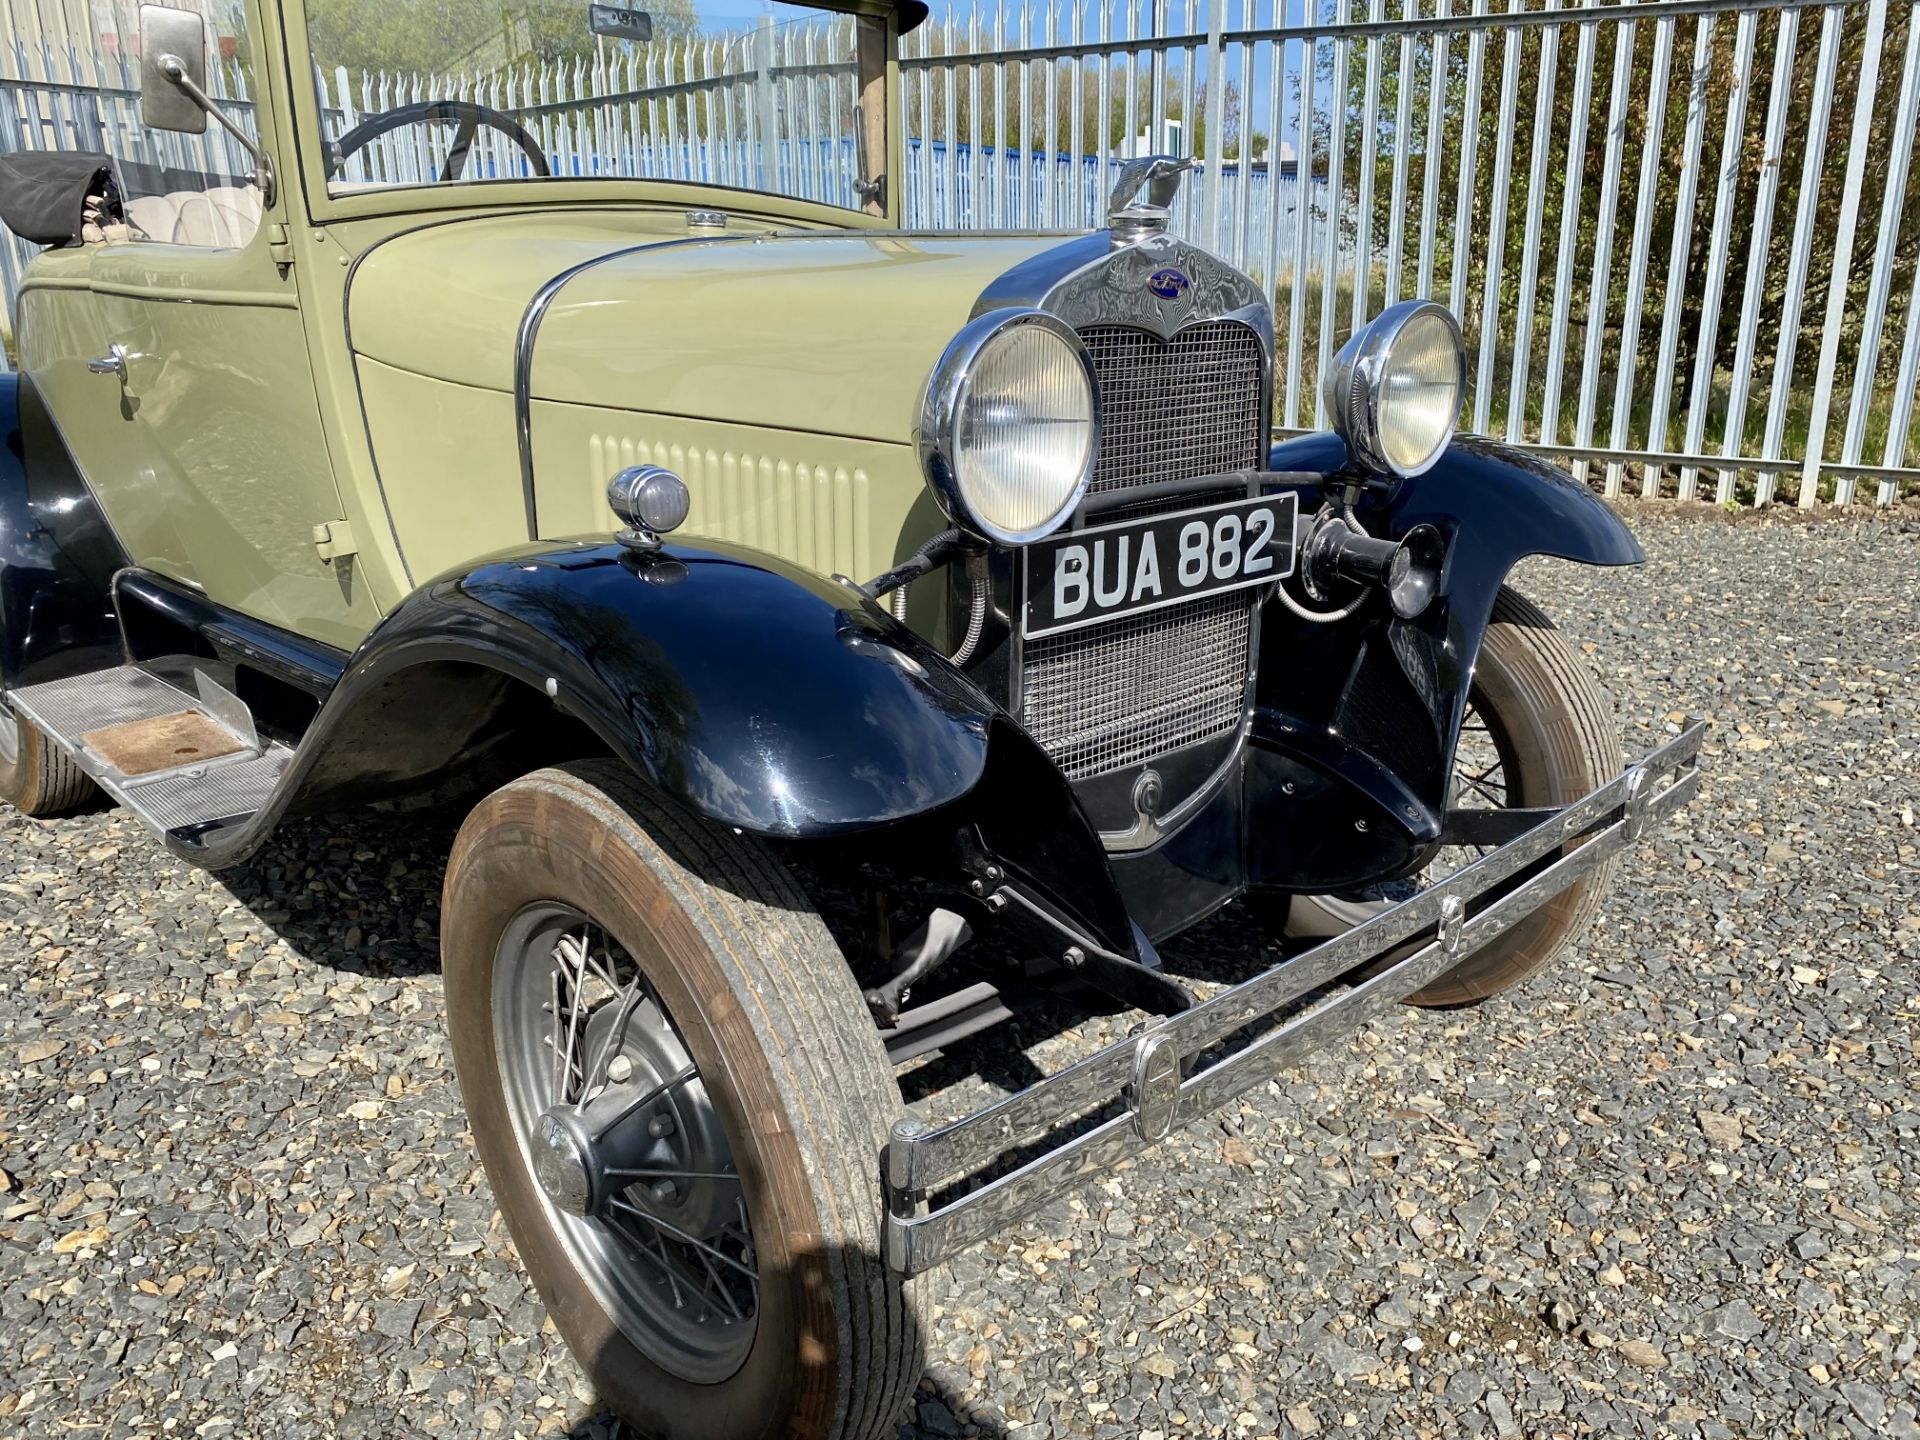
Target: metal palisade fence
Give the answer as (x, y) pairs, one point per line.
(1682, 236)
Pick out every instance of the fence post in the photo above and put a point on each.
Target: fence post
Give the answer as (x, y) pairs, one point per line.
(1216, 146)
(1772, 447)
(1705, 345)
(766, 106)
(1885, 252)
(1843, 257)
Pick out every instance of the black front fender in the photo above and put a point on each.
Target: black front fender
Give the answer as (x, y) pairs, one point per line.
(1356, 721)
(754, 692)
(1495, 504)
(750, 691)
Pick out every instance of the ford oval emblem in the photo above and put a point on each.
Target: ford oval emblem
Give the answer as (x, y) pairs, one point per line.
(1168, 283)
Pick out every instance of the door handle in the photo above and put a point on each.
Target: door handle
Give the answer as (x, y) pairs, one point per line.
(114, 362)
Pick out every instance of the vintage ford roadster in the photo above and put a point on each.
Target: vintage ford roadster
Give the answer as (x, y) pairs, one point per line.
(843, 636)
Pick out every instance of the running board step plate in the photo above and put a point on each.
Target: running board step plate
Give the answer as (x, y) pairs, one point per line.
(129, 704)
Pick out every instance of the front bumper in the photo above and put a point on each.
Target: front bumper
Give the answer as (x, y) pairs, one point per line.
(1156, 1078)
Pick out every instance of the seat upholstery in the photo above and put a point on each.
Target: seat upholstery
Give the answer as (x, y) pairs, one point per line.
(220, 216)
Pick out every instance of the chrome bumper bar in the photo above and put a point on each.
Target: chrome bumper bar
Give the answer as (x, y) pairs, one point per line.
(1153, 1074)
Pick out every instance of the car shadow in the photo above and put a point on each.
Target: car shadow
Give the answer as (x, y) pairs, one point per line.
(331, 887)
(933, 1412)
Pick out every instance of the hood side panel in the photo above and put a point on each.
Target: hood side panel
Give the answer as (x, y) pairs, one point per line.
(446, 299)
(829, 504)
(830, 333)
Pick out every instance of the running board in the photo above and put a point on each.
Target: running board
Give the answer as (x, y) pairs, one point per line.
(183, 762)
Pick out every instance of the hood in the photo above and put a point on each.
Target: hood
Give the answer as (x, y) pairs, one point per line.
(833, 332)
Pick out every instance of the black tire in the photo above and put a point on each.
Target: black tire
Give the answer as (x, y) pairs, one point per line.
(39, 778)
(785, 1048)
(1555, 733)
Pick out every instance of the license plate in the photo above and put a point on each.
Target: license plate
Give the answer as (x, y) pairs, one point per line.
(1092, 575)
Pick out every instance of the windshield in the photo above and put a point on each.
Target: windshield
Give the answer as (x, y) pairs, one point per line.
(754, 96)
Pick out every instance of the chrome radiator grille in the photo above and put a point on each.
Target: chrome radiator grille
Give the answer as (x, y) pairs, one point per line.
(1118, 694)
(1171, 410)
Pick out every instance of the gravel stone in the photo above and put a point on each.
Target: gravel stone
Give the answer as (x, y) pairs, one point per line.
(1698, 1137)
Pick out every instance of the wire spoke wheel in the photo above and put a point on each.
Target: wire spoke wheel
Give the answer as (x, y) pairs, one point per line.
(680, 1098)
(1481, 766)
(625, 1141)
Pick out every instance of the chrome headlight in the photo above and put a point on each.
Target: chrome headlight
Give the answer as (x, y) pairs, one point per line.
(1394, 390)
(1010, 425)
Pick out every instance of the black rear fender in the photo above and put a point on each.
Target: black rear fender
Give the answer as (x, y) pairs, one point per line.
(57, 554)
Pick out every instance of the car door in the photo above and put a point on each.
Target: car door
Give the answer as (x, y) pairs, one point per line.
(219, 399)
(212, 413)
(65, 352)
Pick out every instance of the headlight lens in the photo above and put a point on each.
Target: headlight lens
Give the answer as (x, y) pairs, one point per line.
(1394, 392)
(1009, 431)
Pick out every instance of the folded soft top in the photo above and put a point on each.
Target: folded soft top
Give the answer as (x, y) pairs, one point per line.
(43, 193)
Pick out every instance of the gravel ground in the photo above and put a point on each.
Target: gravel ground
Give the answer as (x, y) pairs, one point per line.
(1669, 1189)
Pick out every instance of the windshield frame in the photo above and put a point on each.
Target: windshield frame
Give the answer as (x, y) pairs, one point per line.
(323, 206)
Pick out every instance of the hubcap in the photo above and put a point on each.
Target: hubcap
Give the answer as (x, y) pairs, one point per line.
(560, 1167)
(625, 1143)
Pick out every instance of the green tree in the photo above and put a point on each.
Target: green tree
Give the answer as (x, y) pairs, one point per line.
(442, 36)
(1712, 87)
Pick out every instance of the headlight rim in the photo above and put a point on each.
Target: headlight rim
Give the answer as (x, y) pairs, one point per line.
(1356, 385)
(940, 410)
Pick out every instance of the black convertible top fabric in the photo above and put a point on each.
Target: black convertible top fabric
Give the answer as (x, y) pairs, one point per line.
(43, 193)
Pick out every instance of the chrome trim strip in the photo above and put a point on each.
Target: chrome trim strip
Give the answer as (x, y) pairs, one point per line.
(920, 1159)
(530, 319)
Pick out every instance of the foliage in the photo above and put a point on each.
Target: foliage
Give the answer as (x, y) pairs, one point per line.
(436, 36)
(1703, 80)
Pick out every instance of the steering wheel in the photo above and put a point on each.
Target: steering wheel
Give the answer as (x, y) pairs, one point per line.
(464, 113)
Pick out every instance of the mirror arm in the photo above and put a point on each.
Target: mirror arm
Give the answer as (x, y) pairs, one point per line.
(870, 188)
(175, 69)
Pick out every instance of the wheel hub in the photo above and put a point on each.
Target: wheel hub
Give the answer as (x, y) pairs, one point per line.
(560, 1165)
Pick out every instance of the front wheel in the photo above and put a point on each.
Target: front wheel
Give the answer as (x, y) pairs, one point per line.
(1538, 732)
(681, 1103)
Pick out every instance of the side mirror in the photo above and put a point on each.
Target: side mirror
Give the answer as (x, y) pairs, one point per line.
(173, 69)
(173, 84)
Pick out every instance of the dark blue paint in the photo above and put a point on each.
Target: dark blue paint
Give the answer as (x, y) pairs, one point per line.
(763, 695)
(1357, 721)
(1169, 283)
(752, 691)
